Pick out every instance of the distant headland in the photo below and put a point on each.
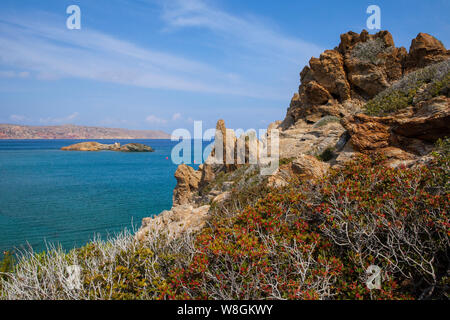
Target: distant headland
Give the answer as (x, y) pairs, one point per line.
(10, 131)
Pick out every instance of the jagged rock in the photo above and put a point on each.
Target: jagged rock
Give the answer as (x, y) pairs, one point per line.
(308, 167)
(304, 167)
(404, 134)
(366, 132)
(187, 184)
(305, 138)
(184, 218)
(316, 94)
(135, 147)
(425, 50)
(329, 72)
(372, 62)
(362, 66)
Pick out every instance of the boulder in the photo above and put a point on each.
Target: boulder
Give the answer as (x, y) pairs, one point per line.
(187, 185)
(180, 219)
(135, 147)
(425, 50)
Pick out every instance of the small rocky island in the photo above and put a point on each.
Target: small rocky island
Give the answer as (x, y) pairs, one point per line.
(95, 146)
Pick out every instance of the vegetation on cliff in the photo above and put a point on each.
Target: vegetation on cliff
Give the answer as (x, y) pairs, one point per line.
(308, 240)
(352, 190)
(419, 85)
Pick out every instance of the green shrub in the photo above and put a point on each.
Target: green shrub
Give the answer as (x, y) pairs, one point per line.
(326, 155)
(326, 120)
(368, 51)
(401, 94)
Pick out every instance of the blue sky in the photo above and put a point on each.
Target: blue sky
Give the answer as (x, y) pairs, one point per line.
(160, 64)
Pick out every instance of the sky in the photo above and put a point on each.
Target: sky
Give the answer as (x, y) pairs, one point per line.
(162, 64)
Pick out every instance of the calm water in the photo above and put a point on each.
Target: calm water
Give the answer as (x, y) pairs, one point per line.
(68, 197)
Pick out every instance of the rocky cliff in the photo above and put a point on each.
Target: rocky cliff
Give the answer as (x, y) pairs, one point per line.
(365, 96)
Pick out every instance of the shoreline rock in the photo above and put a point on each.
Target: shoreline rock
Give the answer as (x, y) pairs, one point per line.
(96, 146)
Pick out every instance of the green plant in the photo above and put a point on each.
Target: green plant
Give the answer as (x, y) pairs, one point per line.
(369, 51)
(326, 120)
(326, 155)
(433, 79)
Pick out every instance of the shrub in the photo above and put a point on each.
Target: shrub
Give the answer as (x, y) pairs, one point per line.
(326, 155)
(304, 241)
(433, 79)
(369, 51)
(326, 120)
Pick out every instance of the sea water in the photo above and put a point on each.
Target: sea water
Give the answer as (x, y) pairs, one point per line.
(68, 197)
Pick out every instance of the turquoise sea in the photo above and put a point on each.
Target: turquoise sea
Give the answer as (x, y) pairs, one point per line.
(53, 196)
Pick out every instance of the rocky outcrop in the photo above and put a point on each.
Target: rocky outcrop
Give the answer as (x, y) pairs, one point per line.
(88, 146)
(187, 185)
(325, 125)
(304, 167)
(136, 147)
(363, 65)
(95, 146)
(179, 219)
(425, 50)
(404, 135)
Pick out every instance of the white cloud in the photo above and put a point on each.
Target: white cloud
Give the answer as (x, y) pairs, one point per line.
(59, 53)
(17, 117)
(252, 32)
(176, 116)
(152, 119)
(14, 74)
(65, 120)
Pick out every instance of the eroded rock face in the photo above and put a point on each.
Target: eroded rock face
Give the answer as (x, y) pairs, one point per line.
(404, 135)
(187, 184)
(372, 62)
(362, 66)
(135, 147)
(184, 218)
(324, 121)
(304, 167)
(425, 50)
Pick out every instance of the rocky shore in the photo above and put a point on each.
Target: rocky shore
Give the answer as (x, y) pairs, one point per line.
(366, 96)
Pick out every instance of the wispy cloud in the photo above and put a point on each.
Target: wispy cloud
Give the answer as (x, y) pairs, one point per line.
(18, 118)
(14, 74)
(252, 32)
(152, 119)
(64, 120)
(48, 51)
(89, 54)
(176, 116)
